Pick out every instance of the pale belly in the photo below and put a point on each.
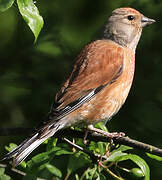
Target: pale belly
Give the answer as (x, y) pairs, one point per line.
(102, 107)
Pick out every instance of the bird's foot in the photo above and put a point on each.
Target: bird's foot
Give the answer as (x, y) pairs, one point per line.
(107, 134)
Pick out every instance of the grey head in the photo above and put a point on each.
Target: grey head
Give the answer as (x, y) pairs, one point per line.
(125, 26)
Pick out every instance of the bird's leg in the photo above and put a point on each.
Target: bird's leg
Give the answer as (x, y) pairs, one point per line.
(85, 137)
(110, 135)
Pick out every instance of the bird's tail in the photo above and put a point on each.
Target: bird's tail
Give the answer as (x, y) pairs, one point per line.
(26, 147)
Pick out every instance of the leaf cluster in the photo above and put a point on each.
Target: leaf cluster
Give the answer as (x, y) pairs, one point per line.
(104, 160)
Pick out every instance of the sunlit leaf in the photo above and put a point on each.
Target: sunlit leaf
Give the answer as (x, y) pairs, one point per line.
(102, 147)
(101, 125)
(31, 16)
(158, 158)
(2, 170)
(10, 147)
(3, 176)
(137, 172)
(5, 4)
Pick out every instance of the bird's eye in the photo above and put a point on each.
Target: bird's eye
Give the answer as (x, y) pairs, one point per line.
(131, 18)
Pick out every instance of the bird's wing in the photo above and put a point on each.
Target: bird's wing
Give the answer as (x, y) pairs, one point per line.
(99, 64)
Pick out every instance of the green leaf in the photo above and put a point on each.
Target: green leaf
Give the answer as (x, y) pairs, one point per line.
(98, 148)
(115, 156)
(118, 153)
(140, 162)
(2, 170)
(77, 161)
(57, 151)
(38, 159)
(137, 172)
(101, 125)
(158, 158)
(5, 4)
(122, 148)
(51, 143)
(45, 157)
(3, 176)
(89, 173)
(93, 146)
(10, 147)
(31, 16)
(62, 152)
(54, 170)
(102, 147)
(23, 164)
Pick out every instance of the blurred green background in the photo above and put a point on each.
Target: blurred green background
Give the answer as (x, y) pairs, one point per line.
(31, 74)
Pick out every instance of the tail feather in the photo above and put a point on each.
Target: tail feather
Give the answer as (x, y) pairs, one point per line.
(26, 147)
(25, 151)
(22, 146)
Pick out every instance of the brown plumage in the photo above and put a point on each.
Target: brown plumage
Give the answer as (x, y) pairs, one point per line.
(99, 83)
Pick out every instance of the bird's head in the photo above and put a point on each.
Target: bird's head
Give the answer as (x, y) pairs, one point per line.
(125, 26)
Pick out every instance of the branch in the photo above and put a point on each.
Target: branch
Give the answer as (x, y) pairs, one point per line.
(91, 136)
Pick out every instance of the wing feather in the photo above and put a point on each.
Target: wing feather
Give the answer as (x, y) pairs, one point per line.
(99, 64)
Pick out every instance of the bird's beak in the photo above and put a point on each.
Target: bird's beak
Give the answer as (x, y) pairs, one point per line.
(146, 21)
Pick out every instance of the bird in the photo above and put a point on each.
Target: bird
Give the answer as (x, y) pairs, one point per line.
(99, 83)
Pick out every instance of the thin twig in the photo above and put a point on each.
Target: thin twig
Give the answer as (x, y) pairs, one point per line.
(93, 157)
(113, 175)
(121, 140)
(73, 144)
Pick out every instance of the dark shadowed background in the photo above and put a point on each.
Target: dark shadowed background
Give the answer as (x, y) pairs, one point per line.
(31, 74)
